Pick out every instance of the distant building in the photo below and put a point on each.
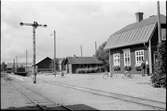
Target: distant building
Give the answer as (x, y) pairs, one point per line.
(71, 64)
(45, 65)
(9, 68)
(12, 67)
(135, 43)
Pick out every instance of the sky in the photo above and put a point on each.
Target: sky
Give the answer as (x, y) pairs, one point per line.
(76, 22)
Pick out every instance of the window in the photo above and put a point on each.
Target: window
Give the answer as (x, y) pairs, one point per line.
(163, 34)
(127, 59)
(139, 57)
(116, 59)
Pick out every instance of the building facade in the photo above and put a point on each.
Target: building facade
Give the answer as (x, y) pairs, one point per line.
(45, 65)
(134, 44)
(72, 64)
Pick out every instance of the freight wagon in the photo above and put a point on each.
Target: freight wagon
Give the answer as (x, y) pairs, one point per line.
(21, 71)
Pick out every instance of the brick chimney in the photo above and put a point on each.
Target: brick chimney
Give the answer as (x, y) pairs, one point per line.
(139, 16)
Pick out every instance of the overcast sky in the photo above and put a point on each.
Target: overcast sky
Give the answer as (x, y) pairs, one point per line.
(76, 23)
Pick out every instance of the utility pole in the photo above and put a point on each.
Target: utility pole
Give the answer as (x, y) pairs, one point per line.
(34, 25)
(26, 60)
(95, 47)
(16, 64)
(13, 65)
(159, 23)
(81, 50)
(54, 61)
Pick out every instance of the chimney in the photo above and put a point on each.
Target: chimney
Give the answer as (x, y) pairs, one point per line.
(139, 16)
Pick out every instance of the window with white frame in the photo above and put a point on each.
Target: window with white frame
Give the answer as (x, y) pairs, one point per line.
(163, 32)
(116, 59)
(139, 57)
(127, 58)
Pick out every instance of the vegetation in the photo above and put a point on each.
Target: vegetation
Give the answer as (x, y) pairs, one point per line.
(88, 70)
(3, 67)
(103, 55)
(159, 75)
(117, 68)
(138, 68)
(127, 68)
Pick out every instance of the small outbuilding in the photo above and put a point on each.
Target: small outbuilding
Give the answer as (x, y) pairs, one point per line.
(45, 65)
(72, 64)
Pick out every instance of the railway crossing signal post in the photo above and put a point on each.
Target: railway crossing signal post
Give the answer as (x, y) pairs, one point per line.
(34, 25)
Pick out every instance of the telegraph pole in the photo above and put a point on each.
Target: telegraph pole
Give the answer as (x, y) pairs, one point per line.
(16, 64)
(34, 25)
(95, 47)
(54, 61)
(81, 50)
(159, 23)
(26, 60)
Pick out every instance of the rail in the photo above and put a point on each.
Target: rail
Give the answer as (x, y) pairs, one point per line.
(142, 101)
(36, 99)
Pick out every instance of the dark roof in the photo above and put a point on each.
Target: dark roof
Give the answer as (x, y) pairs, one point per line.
(83, 60)
(135, 33)
(10, 65)
(47, 59)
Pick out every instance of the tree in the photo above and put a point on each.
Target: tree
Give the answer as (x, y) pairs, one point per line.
(3, 66)
(102, 55)
(159, 75)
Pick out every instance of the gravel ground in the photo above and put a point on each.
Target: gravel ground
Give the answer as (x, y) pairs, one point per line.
(138, 87)
(67, 96)
(10, 97)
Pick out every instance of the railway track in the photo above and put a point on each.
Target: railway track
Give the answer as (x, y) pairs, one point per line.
(141, 101)
(36, 100)
(42, 103)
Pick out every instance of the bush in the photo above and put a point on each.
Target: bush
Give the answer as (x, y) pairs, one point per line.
(159, 75)
(117, 68)
(78, 70)
(138, 68)
(103, 55)
(87, 70)
(158, 81)
(127, 68)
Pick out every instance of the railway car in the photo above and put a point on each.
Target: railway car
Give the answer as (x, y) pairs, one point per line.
(9, 70)
(21, 71)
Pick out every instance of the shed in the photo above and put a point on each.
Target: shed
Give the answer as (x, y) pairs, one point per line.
(71, 64)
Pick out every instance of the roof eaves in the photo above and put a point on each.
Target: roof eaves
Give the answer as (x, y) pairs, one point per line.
(127, 45)
(116, 37)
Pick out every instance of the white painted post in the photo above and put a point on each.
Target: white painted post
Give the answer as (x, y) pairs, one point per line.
(149, 57)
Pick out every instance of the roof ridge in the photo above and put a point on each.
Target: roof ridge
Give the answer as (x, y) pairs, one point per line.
(147, 21)
(132, 29)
